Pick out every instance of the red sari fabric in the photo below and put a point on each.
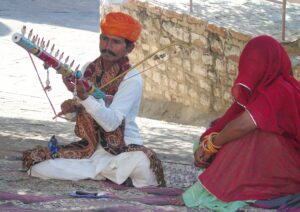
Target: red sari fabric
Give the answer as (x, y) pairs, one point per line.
(265, 163)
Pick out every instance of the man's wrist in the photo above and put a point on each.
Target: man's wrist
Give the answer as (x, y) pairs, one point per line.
(83, 96)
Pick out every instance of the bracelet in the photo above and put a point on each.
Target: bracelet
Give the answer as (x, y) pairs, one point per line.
(208, 144)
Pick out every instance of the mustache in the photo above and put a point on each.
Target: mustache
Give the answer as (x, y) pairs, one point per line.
(103, 51)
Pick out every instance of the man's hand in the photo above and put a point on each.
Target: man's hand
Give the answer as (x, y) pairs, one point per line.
(80, 89)
(70, 86)
(67, 106)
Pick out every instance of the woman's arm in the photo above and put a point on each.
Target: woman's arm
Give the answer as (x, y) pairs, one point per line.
(235, 129)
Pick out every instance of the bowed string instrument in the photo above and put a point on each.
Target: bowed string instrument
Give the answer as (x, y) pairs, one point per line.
(40, 48)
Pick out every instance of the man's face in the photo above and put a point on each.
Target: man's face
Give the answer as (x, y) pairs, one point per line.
(113, 48)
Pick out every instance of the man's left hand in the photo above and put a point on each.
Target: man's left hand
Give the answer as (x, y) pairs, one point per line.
(81, 91)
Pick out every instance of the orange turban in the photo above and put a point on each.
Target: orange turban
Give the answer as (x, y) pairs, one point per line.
(121, 25)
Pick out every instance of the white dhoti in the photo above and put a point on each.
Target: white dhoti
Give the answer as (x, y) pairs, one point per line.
(99, 166)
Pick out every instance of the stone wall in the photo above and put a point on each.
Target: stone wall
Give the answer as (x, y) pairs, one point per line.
(194, 84)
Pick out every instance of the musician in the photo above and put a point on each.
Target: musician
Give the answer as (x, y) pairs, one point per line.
(111, 146)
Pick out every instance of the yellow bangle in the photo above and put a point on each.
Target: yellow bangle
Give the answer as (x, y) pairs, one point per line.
(208, 145)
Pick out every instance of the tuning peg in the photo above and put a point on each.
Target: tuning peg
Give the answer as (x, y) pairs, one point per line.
(61, 56)
(67, 59)
(52, 48)
(42, 43)
(47, 45)
(30, 34)
(34, 39)
(23, 30)
(72, 63)
(57, 53)
(76, 69)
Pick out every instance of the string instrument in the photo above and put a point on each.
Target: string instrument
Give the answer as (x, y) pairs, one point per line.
(38, 47)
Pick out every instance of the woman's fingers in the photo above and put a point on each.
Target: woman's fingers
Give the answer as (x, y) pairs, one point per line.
(201, 158)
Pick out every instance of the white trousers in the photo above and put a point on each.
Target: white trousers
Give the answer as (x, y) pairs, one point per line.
(99, 166)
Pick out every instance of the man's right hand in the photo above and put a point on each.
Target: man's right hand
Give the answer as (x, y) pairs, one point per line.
(67, 106)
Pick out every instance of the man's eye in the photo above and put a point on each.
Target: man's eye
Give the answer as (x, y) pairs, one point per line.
(103, 37)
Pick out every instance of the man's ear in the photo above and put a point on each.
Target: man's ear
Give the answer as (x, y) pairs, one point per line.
(130, 47)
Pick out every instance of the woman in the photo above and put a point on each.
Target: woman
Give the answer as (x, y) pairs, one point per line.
(253, 151)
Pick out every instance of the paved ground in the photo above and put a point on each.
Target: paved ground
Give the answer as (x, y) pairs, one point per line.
(254, 17)
(26, 117)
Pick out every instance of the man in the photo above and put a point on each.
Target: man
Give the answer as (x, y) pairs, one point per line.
(111, 146)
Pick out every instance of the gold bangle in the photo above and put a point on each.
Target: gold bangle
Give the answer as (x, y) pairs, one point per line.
(208, 145)
(212, 139)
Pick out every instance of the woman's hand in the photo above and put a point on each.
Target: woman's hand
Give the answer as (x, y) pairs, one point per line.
(201, 159)
(204, 155)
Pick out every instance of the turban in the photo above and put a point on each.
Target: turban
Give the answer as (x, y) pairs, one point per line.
(121, 25)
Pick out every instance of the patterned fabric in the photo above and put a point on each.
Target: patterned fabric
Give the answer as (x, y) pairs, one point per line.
(84, 148)
(92, 133)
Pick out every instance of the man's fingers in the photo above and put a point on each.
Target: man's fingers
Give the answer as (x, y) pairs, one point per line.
(60, 113)
(69, 85)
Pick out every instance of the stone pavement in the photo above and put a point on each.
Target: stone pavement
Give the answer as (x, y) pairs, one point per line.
(26, 117)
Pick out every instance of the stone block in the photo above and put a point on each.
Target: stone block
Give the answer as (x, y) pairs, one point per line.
(192, 93)
(199, 40)
(207, 59)
(217, 46)
(154, 10)
(164, 41)
(232, 67)
(220, 65)
(187, 65)
(182, 88)
(232, 53)
(239, 36)
(156, 77)
(205, 101)
(199, 69)
(221, 31)
(172, 14)
(196, 54)
(173, 84)
(205, 85)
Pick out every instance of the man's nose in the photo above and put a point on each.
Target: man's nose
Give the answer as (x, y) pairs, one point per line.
(108, 44)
